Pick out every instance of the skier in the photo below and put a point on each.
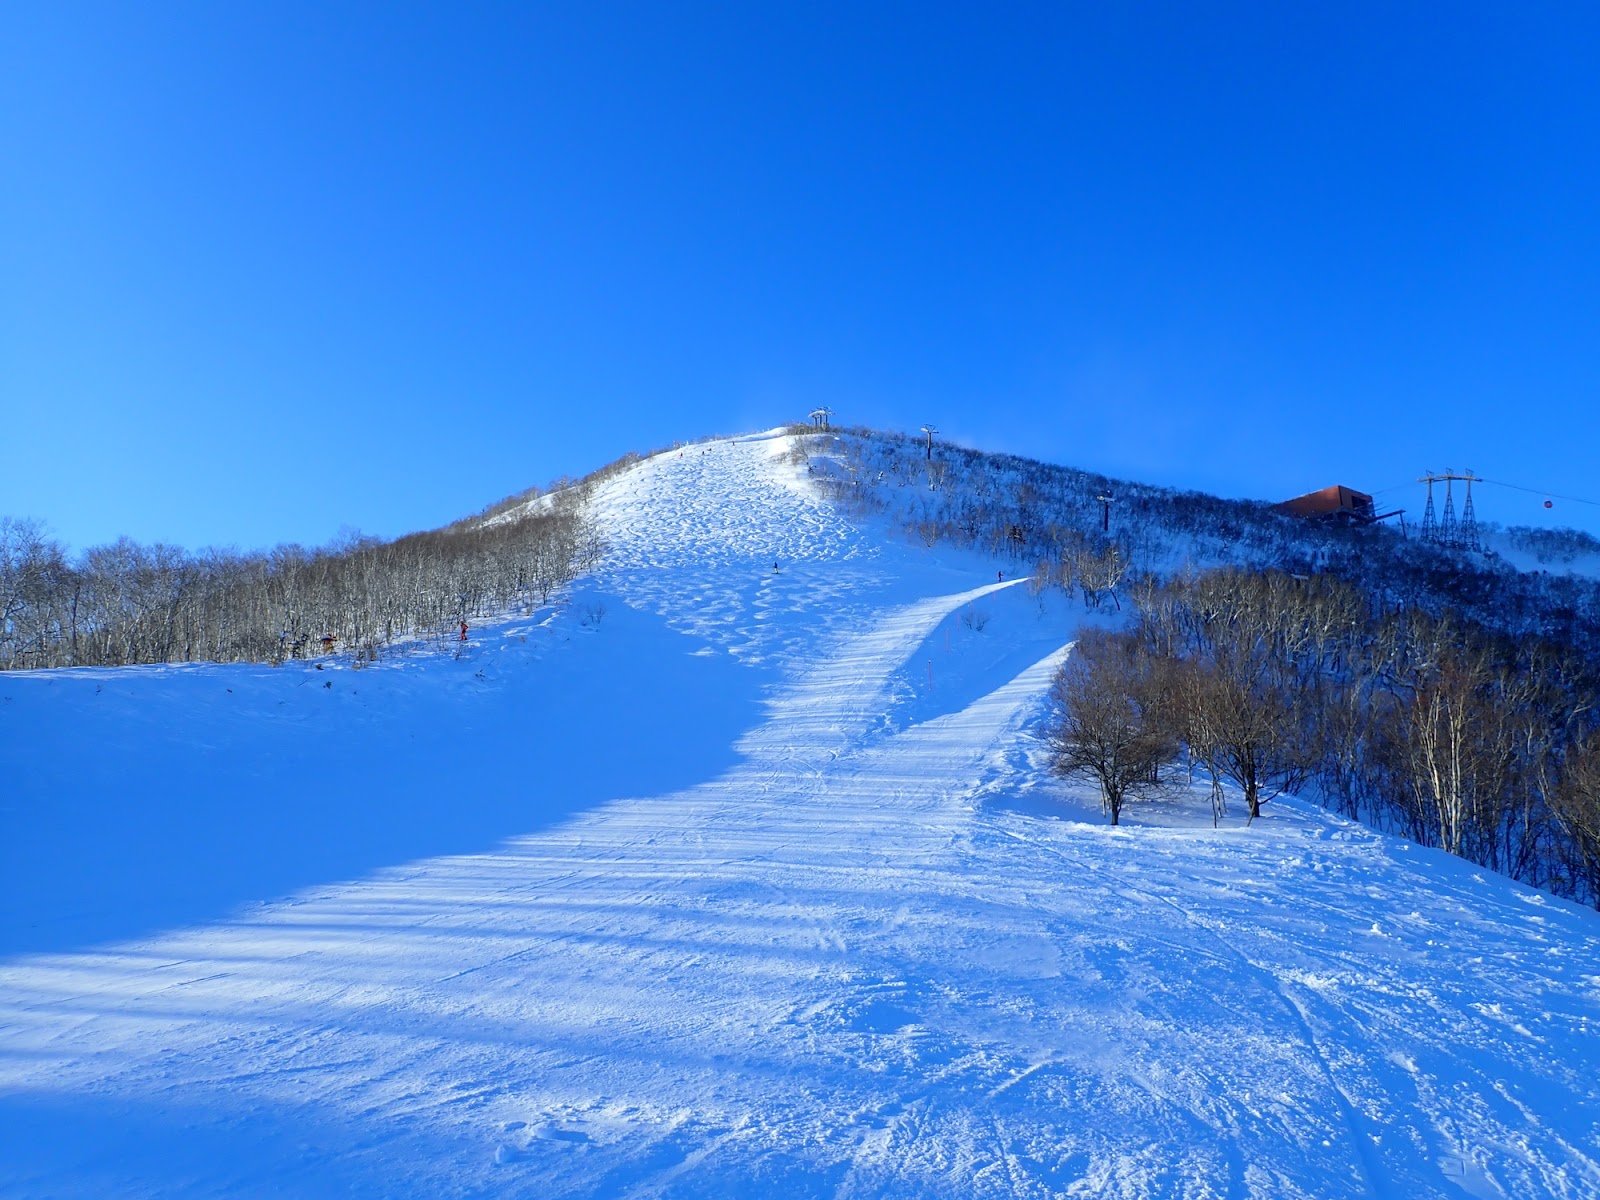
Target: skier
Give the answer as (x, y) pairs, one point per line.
(999, 576)
(463, 631)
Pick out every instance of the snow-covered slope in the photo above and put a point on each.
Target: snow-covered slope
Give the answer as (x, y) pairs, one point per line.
(731, 881)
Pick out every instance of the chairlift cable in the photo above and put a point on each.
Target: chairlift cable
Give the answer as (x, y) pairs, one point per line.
(1541, 492)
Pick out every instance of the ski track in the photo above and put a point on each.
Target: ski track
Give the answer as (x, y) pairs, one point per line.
(848, 967)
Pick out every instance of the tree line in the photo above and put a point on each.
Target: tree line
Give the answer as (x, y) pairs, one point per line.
(126, 603)
(1444, 696)
(1033, 512)
(1457, 736)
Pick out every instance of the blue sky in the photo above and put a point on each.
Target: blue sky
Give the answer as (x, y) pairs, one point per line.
(269, 271)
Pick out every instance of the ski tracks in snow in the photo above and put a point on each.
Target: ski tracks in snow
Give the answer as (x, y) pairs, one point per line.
(842, 968)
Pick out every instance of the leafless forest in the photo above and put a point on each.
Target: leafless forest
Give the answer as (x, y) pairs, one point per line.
(1446, 697)
(1480, 744)
(127, 603)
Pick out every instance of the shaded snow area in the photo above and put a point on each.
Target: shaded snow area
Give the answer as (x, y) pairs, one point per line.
(725, 881)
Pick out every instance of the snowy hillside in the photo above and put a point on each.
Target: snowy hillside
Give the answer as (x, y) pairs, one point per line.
(737, 873)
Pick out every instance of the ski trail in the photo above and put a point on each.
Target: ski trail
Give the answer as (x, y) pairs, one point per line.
(849, 964)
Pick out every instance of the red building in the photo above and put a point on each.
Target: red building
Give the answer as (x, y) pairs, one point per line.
(1336, 503)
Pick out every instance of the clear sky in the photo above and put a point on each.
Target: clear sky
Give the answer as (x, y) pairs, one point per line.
(269, 270)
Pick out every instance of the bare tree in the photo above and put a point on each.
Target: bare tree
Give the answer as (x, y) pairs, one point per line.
(1111, 725)
(33, 593)
(1247, 709)
(1576, 804)
(1260, 728)
(1099, 571)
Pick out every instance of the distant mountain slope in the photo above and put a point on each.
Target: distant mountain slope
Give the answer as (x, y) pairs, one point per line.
(738, 872)
(1026, 511)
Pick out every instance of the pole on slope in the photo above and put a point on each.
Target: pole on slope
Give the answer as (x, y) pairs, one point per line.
(1105, 511)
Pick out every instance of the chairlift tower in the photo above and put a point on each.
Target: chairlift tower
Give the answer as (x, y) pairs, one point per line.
(930, 431)
(1106, 501)
(1468, 535)
(820, 417)
(1447, 531)
(1447, 523)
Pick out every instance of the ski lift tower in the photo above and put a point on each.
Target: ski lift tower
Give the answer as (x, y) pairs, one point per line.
(930, 431)
(820, 418)
(1447, 531)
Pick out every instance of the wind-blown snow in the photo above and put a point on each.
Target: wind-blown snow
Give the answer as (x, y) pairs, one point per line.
(791, 909)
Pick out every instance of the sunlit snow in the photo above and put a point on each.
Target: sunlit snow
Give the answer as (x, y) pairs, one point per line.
(739, 873)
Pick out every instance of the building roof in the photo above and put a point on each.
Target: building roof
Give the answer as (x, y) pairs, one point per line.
(1337, 500)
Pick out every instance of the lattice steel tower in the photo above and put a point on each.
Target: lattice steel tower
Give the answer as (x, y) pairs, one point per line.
(1447, 530)
(1467, 538)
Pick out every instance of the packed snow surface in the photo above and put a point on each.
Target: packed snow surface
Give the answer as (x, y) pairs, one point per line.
(726, 880)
